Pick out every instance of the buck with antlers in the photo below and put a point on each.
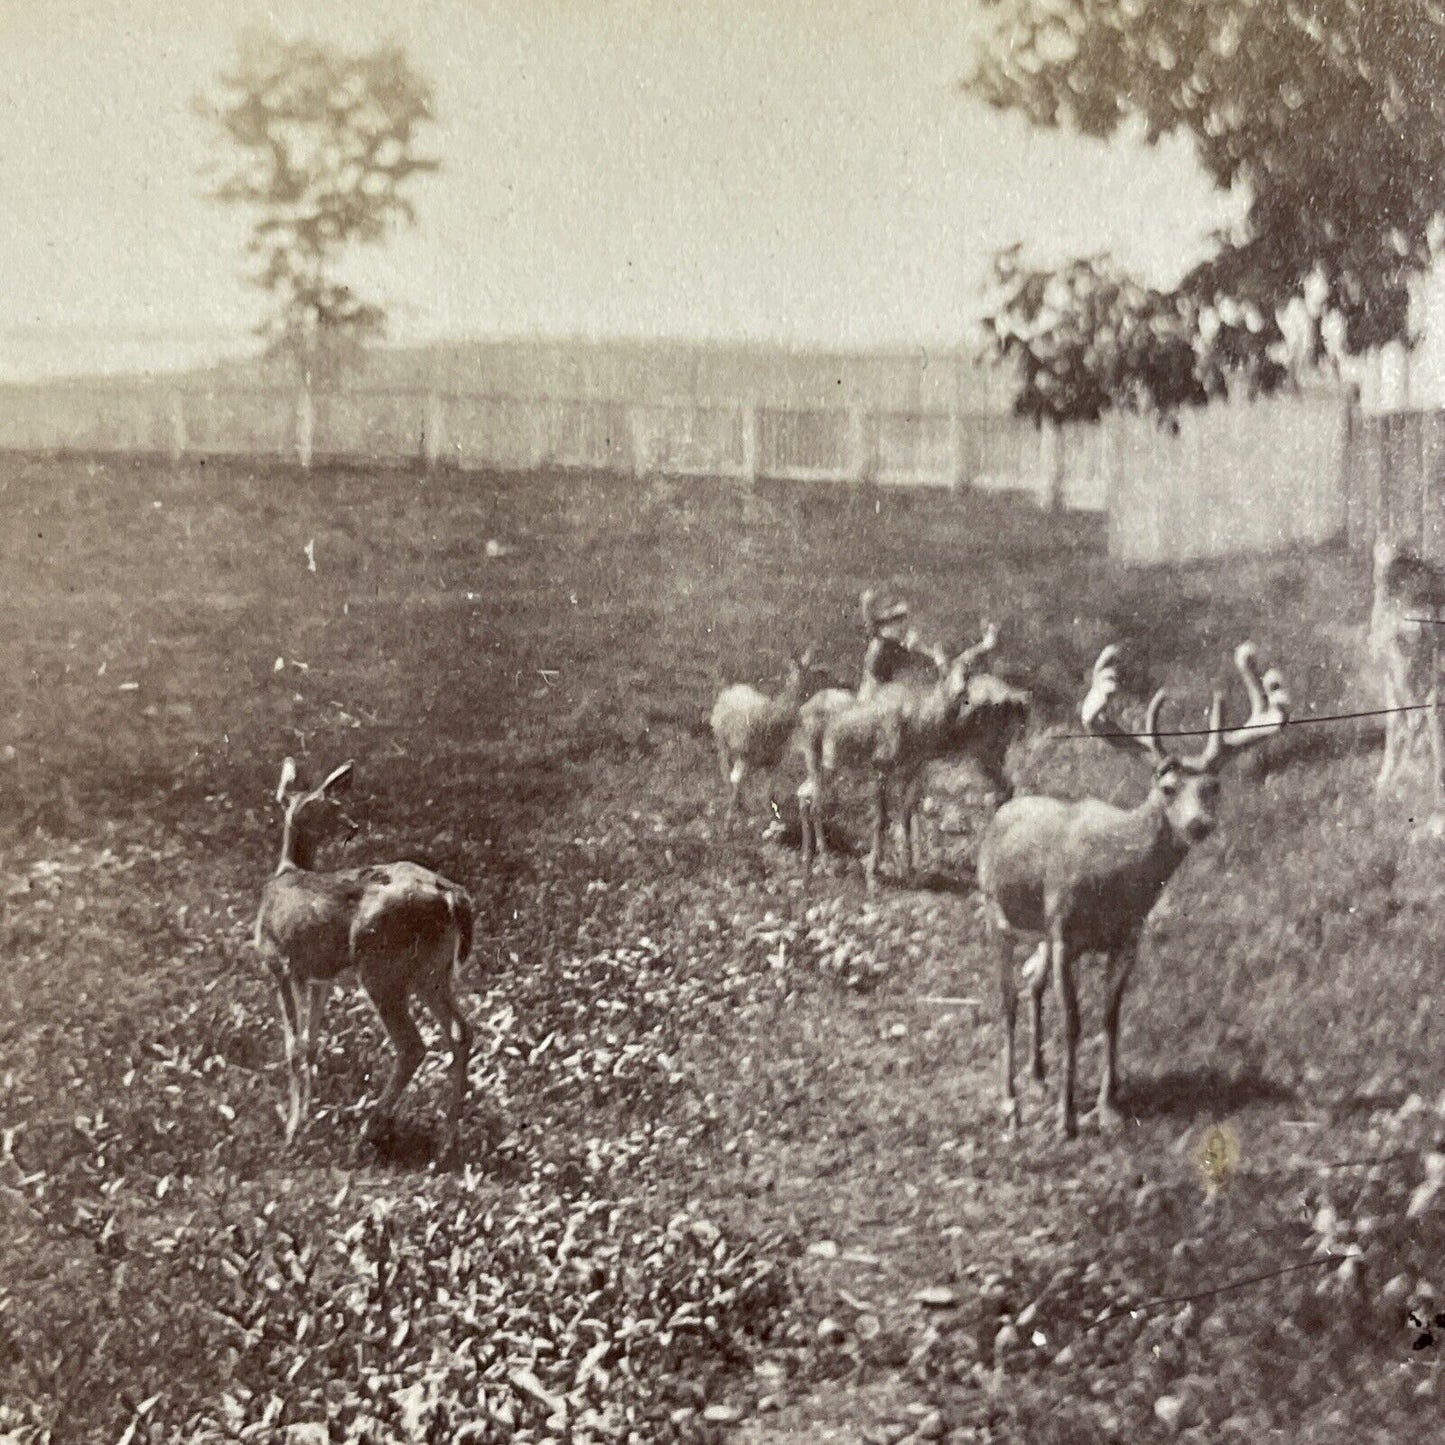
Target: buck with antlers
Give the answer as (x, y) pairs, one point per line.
(1086, 875)
(404, 929)
(752, 730)
(894, 731)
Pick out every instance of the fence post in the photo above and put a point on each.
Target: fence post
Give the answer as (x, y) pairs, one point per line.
(542, 431)
(858, 464)
(637, 433)
(178, 426)
(955, 451)
(433, 429)
(305, 426)
(749, 418)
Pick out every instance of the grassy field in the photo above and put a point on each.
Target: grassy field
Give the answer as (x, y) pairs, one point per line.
(721, 1139)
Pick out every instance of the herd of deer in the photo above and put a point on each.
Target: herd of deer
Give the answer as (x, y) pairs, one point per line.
(1081, 876)
(1078, 877)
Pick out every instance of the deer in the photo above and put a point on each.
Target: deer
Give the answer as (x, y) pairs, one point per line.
(752, 730)
(886, 658)
(404, 930)
(1408, 608)
(894, 731)
(993, 717)
(1085, 875)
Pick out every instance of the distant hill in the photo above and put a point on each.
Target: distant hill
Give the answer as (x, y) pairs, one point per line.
(639, 371)
(663, 371)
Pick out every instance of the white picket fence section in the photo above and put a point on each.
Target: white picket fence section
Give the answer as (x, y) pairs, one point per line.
(521, 433)
(1238, 476)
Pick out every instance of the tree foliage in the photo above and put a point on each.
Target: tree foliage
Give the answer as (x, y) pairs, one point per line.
(1086, 338)
(1330, 115)
(321, 146)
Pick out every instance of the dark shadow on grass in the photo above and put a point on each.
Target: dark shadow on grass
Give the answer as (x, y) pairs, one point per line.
(1347, 1106)
(959, 881)
(402, 1146)
(1202, 1091)
(407, 1146)
(787, 833)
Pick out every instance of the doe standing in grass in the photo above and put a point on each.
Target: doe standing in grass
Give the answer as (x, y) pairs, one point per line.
(752, 730)
(404, 929)
(1086, 875)
(894, 731)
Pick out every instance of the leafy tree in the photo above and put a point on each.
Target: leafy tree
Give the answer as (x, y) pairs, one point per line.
(321, 146)
(1329, 114)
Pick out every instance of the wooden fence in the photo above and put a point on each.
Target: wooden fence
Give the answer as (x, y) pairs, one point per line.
(1394, 480)
(1236, 477)
(933, 447)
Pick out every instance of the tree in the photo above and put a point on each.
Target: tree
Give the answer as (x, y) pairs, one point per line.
(321, 147)
(1330, 115)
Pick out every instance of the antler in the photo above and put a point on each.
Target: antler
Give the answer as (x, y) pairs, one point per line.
(1100, 723)
(1268, 713)
(986, 644)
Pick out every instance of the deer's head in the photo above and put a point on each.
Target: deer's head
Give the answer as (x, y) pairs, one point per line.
(1188, 785)
(307, 811)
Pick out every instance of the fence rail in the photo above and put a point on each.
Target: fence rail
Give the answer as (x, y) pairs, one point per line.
(1236, 477)
(521, 433)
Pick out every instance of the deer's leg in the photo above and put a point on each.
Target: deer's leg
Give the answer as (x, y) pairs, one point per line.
(995, 775)
(810, 805)
(880, 828)
(912, 823)
(737, 780)
(1118, 966)
(390, 1001)
(1064, 987)
(775, 813)
(312, 1008)
(905, 830)
(818, 800)
(1009, 997)
(807, 801)
(289, 1010)
(442, 1003)
(1036, 976)
(820, 822)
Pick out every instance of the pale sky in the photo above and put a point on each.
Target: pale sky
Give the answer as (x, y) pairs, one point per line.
(724, 168)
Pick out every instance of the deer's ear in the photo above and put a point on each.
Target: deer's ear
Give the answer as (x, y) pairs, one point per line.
(288, 777)
(339, 780)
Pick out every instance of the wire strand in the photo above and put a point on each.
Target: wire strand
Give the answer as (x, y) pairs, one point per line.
(1145, 1306)
(1256, 727)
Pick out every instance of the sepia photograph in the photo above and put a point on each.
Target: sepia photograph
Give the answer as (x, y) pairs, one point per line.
(723, 722)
